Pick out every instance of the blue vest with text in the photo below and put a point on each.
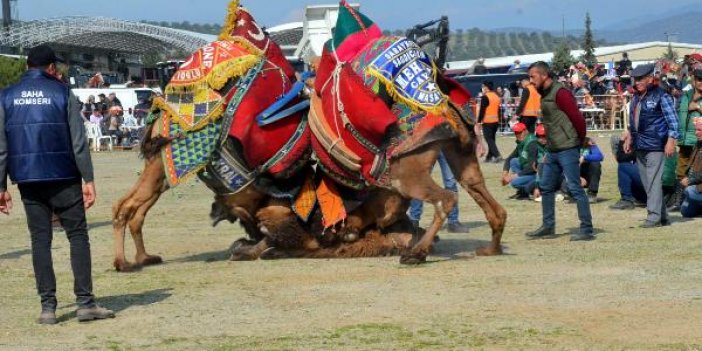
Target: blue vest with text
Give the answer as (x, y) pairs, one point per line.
(36, 124)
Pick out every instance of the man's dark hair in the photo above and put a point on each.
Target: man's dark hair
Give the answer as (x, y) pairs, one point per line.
(625, 55)
(541, 66)
(489, 84)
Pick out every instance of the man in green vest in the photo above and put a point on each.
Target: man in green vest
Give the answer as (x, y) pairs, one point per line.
(690, 108)
(519, 169)
(565, 133)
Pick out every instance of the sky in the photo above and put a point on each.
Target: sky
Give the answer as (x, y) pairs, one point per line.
(388, 14)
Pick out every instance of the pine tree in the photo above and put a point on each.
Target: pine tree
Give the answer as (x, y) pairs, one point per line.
(588, 57)
(562, 59)
(671, 54)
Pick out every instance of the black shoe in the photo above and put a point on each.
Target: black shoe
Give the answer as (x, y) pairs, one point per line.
(592, 198)
(652, 224)
(582, 237)
(47, 317)
(93, 313)
(458, 227)
(498, 159)
(542, 232)
(623, 205)
(665, 222)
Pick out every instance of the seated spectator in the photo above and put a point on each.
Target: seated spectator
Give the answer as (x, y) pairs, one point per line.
(541, 140)
(519, 169)
(115, 121)
(629, 180)
(591, 168)
(96, 117)
(631, 188)
(692, 199)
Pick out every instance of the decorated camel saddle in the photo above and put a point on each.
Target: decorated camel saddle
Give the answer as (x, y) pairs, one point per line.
(376, 97)
(211, 106)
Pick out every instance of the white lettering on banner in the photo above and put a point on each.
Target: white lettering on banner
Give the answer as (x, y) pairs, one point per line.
(31, 101)
(33, 94)
(208, 56)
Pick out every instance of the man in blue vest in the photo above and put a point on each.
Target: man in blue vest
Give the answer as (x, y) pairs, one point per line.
(44, 150)
(653, 134)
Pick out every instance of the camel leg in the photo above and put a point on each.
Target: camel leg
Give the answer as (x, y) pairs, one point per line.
(411, 176)
(466, 168)
(136, 224)
(149, 183)
(244, 250)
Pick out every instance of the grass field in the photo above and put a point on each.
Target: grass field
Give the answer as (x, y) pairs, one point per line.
(631, 289)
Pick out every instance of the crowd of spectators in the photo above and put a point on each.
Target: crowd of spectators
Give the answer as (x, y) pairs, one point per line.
(124, 127)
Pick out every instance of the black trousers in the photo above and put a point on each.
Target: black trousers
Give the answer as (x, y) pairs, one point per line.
(530, 123)
(592, 172)
(490, 133)
(41, 201)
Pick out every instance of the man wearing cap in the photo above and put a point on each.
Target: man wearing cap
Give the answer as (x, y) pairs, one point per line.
(565, 133)
(519, 169)
(653, 133)
(44, 150)
(690, 109)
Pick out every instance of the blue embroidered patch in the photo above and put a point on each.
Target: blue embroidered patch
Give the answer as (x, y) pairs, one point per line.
(410, 71)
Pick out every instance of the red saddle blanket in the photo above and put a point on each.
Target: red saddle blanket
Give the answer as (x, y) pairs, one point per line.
(361, 125)
(278, 146)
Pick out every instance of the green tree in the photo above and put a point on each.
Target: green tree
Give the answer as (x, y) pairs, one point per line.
(562, 59)
(11, 69)
(588, 57)
(670, 54)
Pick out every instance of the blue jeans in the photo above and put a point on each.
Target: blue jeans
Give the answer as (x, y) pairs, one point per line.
(692, 202)
(416, 206)
(630, 186)
(521, 183)
(566, 163)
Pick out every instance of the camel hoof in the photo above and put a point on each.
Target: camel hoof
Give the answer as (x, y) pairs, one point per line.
(488, 251)
(241, 251)
(126, 267)
(272, 253)
(150, 260)
(413, 258)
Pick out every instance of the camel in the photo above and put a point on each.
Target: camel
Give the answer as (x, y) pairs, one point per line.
(410, 176)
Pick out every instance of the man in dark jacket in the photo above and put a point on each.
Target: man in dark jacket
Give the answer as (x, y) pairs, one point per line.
(565, 132)
(44, 150)
(653, 133)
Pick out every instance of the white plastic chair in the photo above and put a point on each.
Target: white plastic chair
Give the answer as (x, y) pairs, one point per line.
(93, 132)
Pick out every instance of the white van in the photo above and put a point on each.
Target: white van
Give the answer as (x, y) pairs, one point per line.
(129, 97)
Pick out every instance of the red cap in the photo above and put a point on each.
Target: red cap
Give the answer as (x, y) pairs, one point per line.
(696, 57)
(540, 130)
(519, 127)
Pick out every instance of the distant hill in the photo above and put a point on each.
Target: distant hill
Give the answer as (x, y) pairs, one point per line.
(687, 25)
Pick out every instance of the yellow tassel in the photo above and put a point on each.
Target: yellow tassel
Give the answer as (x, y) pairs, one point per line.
(222, 73)
(229, 20)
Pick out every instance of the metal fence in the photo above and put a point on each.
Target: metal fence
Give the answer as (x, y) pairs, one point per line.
(601, 112)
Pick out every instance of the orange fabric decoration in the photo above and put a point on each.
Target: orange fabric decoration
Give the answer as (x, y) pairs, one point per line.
(330, 203)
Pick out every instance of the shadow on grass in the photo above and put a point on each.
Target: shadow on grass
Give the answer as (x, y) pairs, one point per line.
(13, 255)
(119, 303)
(207, 257)
(99, 224)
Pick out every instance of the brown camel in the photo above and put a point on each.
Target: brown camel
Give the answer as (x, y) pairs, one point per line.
(286, 237)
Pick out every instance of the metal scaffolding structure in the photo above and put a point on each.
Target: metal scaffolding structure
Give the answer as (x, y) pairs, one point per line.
(101, 34)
